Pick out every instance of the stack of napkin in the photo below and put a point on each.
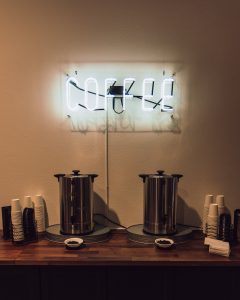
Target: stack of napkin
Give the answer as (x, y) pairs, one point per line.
(217, 247)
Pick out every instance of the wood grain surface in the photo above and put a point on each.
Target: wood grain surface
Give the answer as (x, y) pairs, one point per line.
(115, 252)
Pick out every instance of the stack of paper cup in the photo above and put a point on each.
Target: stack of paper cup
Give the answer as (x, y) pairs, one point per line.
(208, 201)
(220, 203)
(39, 213)
(27, 202)
(16, 218)
(212, 221)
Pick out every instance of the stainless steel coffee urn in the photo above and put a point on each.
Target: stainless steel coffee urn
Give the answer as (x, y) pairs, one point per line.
(160, 201)
(76, 202)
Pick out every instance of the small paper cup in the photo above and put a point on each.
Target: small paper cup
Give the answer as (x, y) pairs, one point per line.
(73, 243)
(213, 210)
(27, 202)
(16, 206)
(208, 200)
(220, 200)
(38, 201)
(164, 243)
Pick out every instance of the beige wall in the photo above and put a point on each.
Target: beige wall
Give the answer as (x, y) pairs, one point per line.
(39, 37)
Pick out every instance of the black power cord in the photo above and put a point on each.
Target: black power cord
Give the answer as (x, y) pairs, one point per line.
(120, 225)
(109, 220)
(186, 225)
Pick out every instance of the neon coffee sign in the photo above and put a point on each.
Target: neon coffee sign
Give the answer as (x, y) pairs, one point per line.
(119, 93)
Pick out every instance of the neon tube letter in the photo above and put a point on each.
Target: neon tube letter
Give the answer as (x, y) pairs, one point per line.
(71, 80)
(108, 81)
(166, 96)
(86, 83)
(125, 81)
(146, 96)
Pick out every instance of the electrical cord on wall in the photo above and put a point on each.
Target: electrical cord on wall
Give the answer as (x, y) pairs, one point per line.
(124, 227)
(109, 220)
(106, 164)
(186, 225)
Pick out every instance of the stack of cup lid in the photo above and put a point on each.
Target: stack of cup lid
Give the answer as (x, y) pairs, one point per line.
(208, 201)
(224, 228)
(237, 225)
(29, 223)
(17, 223)
(39, 213)
(212, 221)
(6, 222)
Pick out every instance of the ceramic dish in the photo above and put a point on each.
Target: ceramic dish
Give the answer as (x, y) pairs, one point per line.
(73, 243)
(164, 243)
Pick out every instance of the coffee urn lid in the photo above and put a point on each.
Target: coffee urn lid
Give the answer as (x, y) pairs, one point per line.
(159, 174)
(76, 174)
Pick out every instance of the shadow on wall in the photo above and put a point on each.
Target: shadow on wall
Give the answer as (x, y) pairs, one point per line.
(102, 214)
(45, 213)
(184, 212)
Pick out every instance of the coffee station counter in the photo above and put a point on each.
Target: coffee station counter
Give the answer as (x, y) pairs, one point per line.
(117, 269)
(117, 251)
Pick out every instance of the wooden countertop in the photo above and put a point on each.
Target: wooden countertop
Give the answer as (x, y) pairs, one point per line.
(118, 251)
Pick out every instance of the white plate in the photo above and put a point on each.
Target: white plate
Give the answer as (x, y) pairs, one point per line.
(77, 242)
(164, 244)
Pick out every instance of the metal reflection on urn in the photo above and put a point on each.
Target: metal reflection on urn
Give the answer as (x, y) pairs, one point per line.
(76, 203)
(160, 201)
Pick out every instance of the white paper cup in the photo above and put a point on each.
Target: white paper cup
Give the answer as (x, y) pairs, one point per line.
(213, 210)
(38, 201)
(39, 208)
(39, 213)
(16, 212)
(15, 204)
(220, 200)
(40, 228)
(219, 250)
(27, 202)
(16, 217)
(40, 218)
(212, 219)
(18, 233)
(208, 200)
(204, 220)
(18, 228)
